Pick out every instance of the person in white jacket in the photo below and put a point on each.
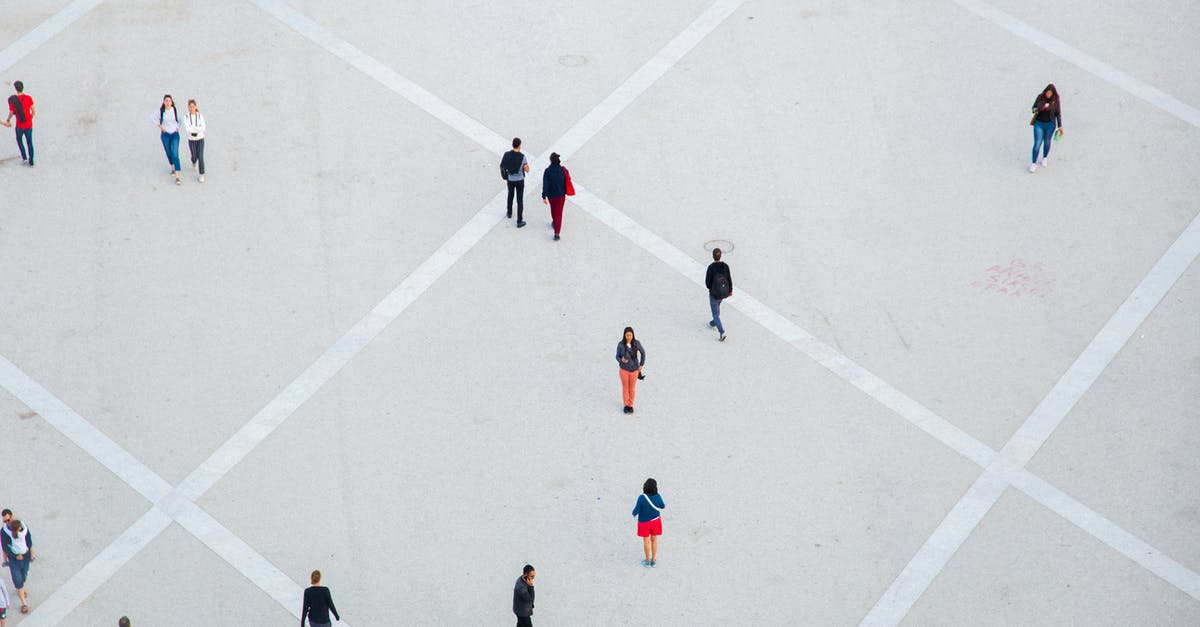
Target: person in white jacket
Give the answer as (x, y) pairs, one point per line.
(194, 124)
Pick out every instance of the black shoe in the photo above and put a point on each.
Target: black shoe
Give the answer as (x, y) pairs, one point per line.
(626, 409)
(556, 238)
(631, 409)
(520, 223)
(508, 215)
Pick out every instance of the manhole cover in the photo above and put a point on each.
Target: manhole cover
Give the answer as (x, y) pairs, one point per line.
(724, 244)
(572, 60)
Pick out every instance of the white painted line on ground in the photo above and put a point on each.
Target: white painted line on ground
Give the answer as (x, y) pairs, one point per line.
(44, 32)
(56, 607)
(933, 556)
(645, 76)
(82, 433)
(1084, 61)
(370, 66)
(1107, 532)
(837, 363)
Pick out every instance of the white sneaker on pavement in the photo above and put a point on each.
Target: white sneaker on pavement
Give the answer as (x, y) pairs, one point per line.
(1044, 159)
(1032, 168)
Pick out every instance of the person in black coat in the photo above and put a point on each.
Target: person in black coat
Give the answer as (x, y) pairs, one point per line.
(318, 603)
(523, 597)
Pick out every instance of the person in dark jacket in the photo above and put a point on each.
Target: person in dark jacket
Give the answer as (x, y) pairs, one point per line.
(554, 190)
(629, 349)
(523, 597)
(18, 546)
(514, 166)
(649, 517)
(318, 603)
(1047, 122)
(719, 282)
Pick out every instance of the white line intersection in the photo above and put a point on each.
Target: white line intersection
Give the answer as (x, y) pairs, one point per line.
(1000, 469)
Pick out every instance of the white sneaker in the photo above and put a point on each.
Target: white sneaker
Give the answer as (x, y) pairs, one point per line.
(201, 178)
(1032, 167)
(1044, 164)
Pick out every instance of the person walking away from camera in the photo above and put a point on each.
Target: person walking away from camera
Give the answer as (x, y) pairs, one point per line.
(168, 126)
(719, 282)
(18, 546)
(513, 167)
(1047, 121)
(318, 603)
(20, 106)
(629, 349)
(523, 597)
(554, 190)
(122, 622)
(194, 124)
(649, 526)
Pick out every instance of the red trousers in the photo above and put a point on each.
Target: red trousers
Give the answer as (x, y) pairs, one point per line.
(556, 207)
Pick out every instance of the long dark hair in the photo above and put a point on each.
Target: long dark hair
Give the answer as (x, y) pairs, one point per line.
(1042, 99)
(650, 488)
(632, 338)
(162, 109)
(15, 103)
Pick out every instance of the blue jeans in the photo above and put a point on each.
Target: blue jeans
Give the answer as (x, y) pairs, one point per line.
(19, 570)
(27, 133)
(715, 305)
(171, 146)
(1043, 132)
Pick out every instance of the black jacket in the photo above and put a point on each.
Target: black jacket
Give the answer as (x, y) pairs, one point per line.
(522, 599)
(318, 603)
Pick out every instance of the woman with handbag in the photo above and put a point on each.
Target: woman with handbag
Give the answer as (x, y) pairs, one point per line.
(628, 351)
(1046, 123)
(649, 527)
(556, 186)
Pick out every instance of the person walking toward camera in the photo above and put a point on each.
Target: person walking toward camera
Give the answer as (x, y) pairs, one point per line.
(513, 168)
(318, 603)
(631, 357)
(1046, 122)
(18, 546)
(648, 511)
(20, 106)
(719, 282)
(523, 597)
(168, 126)
(194, 124)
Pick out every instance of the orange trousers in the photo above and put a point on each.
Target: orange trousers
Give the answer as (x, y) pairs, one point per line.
(628, 385)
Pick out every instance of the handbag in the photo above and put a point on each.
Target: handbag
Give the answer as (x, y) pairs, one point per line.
(570, 185)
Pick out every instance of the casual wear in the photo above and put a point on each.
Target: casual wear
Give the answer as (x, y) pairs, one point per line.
(646, 510)
(24, 130)
(318, 604)
(169, 120)
(630, 358)
(523, 601)
(1047, 120)
(195, 127)
(513, 163)
(554, 190)
(3, 601)
(22, 544)
(715, 269)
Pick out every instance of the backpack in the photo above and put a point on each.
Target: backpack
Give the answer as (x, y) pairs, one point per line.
(720, 287)
(510, 158)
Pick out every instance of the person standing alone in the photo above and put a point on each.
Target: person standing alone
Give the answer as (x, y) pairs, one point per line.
(523, 597)
(318, 603)
(1046, 122)
(720, 286)
(649, 527)
(629, 349)
(20, 106)
(195, 126)
(513, 167)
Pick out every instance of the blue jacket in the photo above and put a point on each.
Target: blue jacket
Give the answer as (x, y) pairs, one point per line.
(554, 182)
(644, 512)
(634, 363)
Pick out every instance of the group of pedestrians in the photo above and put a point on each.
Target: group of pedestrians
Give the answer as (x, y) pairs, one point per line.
(193, 124)
(18, 553)
(556, 185)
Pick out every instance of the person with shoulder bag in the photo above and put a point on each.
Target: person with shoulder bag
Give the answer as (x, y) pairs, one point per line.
(719, 282)
(513, 168)
(628, 351)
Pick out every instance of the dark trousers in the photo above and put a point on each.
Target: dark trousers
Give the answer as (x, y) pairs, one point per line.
(524, 621)
(556, 207)
(518, 188)
(27, 133)
(196, 146)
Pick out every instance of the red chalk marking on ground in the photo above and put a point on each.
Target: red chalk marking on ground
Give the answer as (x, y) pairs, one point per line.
(1016, 279)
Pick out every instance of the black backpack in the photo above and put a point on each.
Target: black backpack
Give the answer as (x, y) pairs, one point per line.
(720, 287)
(510, 164)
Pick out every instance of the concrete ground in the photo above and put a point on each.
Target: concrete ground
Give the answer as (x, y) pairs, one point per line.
(952, 393)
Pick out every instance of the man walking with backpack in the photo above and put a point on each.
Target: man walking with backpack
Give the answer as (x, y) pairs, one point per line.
(720, 286)
(513, 167)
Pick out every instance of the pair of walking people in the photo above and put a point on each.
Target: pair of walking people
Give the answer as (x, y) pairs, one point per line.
(21, 110)
(556, 185)
(18, 553)
(193, 124)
